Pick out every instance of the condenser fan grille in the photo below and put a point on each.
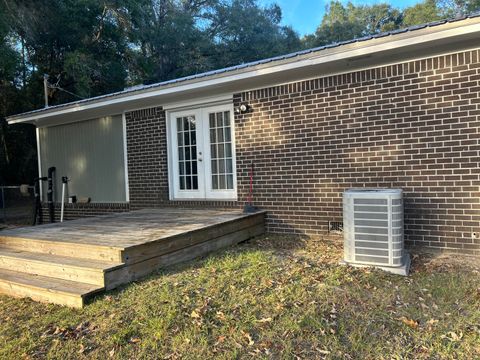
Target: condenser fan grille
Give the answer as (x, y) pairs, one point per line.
(374, 227)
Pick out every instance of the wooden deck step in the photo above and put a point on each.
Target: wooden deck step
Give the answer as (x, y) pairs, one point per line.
(46, 289)
(61, 248)
(64, 263)
(55, 266)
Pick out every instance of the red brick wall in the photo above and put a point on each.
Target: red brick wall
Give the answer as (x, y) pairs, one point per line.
(147, 157)
(413, 126)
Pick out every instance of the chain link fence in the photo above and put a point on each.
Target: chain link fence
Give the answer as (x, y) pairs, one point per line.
(16, 205)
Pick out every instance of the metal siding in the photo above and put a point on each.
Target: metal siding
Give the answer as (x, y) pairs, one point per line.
(91, 154)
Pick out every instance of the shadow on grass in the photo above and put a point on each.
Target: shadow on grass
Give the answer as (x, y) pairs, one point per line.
(279, 247)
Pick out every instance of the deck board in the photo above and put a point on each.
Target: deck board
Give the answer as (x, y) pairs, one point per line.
(128, 229)
(67, 262)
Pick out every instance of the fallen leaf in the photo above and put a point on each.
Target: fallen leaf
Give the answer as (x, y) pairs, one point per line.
(249, 338)
(194, 314)
(111, 352)
(82, 349)
(265, 320)
(323, 352)
(409, 322)
(220, 339)
(135, 340)
(453, 336)
(221, 315)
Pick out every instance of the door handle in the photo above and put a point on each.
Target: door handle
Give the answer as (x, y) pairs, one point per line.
(199, 159)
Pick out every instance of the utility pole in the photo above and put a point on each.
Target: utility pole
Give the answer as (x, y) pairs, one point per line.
(45, 88)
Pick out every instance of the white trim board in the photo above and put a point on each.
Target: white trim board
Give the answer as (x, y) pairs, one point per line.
(125, 157)
(39, 162)
(199, 102)
(376, 45)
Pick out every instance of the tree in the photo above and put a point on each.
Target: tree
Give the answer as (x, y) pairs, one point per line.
(15, 143)
(345, 22)
(421, 13)
(244, 31)
(78, 43)
(169, 41)
(455, 8)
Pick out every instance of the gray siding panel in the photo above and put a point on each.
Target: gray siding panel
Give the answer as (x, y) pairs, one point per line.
(91, 154)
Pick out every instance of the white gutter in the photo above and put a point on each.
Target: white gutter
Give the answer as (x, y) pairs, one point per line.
(352, 50)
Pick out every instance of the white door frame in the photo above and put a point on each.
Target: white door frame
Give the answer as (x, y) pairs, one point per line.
(205, 191)
(177, 192)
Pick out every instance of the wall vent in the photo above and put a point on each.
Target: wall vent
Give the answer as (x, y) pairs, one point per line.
(373, 228)
(335, 226)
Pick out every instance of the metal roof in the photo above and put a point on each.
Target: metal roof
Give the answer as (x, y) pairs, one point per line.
(138, 88)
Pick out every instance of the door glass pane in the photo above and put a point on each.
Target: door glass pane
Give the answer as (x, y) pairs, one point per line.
(230, 181)
(220, 137)
(214, 167)
(221, 150)
(226, 118)
(187, 153)
(228, 134)
(220, 120)
(228, 150)
(229, 166)
(222, 183)
(211, 119)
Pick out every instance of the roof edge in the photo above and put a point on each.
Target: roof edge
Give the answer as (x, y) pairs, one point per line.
(309, 54)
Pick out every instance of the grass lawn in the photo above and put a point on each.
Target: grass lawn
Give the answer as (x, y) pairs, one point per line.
(273, 297)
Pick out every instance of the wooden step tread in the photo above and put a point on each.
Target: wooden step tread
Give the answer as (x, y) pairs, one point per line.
(48, 283)
(46, 289)
(63, 261)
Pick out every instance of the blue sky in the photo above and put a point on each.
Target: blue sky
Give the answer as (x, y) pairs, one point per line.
(305, 15)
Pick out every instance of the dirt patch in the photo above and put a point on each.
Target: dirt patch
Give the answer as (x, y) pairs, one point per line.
(432, 262)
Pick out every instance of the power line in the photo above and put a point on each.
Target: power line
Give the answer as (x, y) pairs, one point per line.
(62, 89)
(47, 85)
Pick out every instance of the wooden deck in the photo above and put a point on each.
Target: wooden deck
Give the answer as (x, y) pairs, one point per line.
(66, 263)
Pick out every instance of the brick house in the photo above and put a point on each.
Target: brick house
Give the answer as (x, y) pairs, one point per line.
(400, 109)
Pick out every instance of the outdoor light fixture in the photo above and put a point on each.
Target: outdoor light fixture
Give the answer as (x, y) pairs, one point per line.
(243, 108)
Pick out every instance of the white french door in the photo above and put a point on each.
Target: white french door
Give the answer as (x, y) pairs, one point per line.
(202, 150)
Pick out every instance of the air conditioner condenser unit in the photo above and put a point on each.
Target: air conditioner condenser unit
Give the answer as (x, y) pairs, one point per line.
(373, 229)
